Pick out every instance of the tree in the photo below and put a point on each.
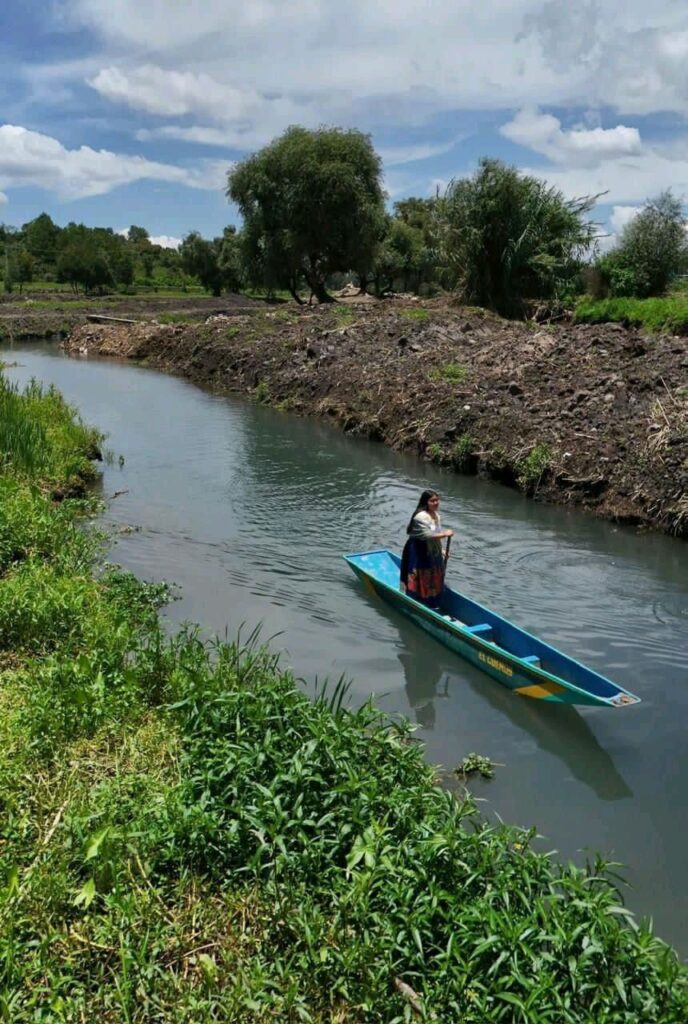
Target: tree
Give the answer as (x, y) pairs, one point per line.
(81, 262)
(228, 250)
(41, 238)
(652, 249)
(508, 237)
(399, 258)
(138, 236)
(123, 268)
(199, 257)
(23, 269)
(312, 205)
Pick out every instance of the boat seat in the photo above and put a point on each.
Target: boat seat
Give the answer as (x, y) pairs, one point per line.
(533, 660)
(483, 630)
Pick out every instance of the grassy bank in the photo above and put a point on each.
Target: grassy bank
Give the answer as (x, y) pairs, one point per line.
(186, 837)
(668, 314)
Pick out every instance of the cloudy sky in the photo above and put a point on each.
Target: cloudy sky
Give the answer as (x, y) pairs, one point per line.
(130, 111)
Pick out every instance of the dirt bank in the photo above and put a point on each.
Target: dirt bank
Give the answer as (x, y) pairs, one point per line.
(595, 416)
(49, 314)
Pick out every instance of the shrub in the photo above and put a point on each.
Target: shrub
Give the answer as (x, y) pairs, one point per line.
(652, 250)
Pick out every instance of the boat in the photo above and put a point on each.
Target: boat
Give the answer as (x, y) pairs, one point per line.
(515, 658)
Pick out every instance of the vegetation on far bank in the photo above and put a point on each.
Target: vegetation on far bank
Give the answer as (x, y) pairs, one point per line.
(668, 314)
(185, 836)
(314, 218)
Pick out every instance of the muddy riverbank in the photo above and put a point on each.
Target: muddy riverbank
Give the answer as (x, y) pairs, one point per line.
(588, 415)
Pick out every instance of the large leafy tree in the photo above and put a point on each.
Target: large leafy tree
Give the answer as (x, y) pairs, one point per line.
(41, 237)
(216, 263)
(199, 258)
(652, 249)
(312, 205)
(509, 237)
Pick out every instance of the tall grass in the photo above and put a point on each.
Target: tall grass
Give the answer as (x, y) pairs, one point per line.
(668, 314)
(186, 837)
(42, 437)
(22, 439)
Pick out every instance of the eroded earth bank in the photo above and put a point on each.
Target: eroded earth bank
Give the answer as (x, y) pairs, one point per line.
(595, 416)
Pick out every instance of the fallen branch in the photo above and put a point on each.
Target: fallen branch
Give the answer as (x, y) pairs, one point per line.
(409, 995)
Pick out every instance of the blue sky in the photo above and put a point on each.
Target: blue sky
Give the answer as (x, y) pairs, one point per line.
(115, 112)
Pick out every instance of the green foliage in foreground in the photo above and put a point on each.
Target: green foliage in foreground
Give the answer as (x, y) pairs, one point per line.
(41, 436)
(656, 315)
(186, 837)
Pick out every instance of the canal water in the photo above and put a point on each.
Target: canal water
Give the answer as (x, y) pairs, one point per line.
(249, 511)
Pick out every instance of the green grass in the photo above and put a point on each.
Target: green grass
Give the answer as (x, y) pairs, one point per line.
(462, 451)
(533, 468)
(668, 314)
(186, 837)
(418, 313)
(41, 436)
(453, 373)
(343, 312)
(175, 318)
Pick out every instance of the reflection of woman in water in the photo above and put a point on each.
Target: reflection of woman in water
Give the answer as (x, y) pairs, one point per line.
(423, 558)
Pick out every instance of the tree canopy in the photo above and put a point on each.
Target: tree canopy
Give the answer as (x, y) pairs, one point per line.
(652, 249)
(509, 237)
(312, 204)
(89, 258)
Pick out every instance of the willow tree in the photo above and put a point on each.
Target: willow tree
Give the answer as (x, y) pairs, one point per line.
(510, 237)
(312, 204)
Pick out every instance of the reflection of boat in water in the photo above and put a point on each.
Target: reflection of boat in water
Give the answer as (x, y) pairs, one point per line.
(515, 658)
(559, 730)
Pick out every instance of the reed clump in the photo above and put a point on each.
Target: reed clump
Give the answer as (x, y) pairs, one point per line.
(187, 837)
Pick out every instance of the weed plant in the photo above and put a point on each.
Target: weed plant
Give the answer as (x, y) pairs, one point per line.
(533, 468)
(454, 373)
(185, 837)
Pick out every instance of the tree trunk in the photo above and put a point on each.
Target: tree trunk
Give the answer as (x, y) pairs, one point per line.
(317, 283)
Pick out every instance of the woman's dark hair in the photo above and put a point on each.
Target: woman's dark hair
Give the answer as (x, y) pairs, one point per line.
(422, 506)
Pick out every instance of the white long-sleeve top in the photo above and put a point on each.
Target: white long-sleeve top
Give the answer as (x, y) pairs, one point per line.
(424, 526)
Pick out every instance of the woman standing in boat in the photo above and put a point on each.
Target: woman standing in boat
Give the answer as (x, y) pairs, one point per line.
(423, 560)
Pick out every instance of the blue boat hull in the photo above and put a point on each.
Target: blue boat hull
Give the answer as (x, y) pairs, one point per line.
(505, 652)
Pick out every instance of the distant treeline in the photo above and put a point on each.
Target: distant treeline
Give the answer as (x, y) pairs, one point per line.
(88, 259)
(314, 217)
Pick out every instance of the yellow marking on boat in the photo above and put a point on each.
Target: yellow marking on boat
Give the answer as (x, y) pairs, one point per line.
(494, 663)
(368, 584)
(543, 689)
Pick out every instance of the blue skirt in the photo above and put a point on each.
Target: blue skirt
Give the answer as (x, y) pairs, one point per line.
(422, 571)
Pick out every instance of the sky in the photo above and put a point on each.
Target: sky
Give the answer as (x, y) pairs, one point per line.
(119, 112)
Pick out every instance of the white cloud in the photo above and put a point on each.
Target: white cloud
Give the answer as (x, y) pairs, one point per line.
(583, 147)
(621, 216)
(626, 181)
(232, 75)
(166, 241)
(394, 156)
(3, 198)
(174, 93)
(501, 53)
(31, 158)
